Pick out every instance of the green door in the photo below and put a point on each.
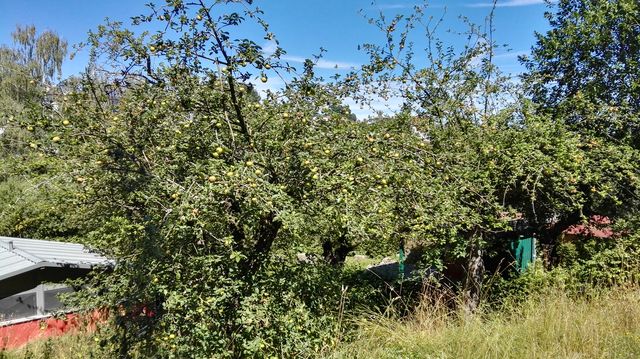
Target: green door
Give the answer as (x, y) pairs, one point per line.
(524, 251)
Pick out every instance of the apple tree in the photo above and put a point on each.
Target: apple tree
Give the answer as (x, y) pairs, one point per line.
(204, 193)
(498, 155)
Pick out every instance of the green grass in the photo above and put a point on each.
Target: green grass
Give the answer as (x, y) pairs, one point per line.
(550, 325)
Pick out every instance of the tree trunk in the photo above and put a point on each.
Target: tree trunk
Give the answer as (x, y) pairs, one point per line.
(336, 254)
(475, 276)
(265, 236)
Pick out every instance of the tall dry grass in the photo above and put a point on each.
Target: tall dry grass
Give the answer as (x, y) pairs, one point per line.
(547, 325)
(77, 345)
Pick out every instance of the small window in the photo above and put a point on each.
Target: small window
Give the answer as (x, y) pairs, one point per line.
(52, 301)
(18, 306)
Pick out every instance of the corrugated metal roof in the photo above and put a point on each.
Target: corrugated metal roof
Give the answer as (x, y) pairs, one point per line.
(20, 255)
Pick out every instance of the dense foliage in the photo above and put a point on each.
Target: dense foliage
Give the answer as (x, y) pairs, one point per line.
(162, 156)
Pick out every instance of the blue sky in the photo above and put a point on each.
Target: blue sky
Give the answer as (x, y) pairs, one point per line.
(302, 26)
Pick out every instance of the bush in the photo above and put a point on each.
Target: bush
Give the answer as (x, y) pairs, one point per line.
(617, 262)
(291, 309)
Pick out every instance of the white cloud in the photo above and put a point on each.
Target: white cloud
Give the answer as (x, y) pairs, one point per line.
(508, 3)
(378, 105)
(388, 104)
(511, 54)
(270, 47)
(273, 84)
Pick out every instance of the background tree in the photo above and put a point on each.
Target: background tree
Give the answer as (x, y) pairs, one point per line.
(584, 73)
(33, 194)
(585, 69)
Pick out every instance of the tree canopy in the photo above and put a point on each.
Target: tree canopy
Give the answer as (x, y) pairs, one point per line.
(585, 68)
(162, 156)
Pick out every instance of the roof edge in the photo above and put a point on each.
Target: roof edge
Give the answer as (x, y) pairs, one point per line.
(44, 264)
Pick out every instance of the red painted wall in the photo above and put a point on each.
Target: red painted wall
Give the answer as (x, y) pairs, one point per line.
(16, 335)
